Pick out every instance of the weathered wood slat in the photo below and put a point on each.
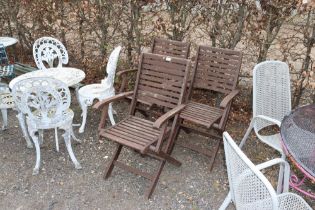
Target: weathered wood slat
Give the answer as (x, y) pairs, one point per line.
(154, 89)
(201, 84)
(160, 74)
(164, 87)
(158, 97)
(173, 84)
(170, 48)
(133, 170)
(124, 136)
(164, 69)
(216, 70)
(138, 132)
(156, 101)
(218, 58)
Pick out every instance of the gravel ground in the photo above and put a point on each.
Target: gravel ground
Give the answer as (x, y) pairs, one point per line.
(60, 186)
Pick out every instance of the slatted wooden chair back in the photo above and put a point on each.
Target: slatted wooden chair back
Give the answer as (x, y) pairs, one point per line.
(216, 70)
(170, 48)
(160, 81)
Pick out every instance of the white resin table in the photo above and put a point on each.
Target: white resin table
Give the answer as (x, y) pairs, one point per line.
(7, 41)
(68, 75)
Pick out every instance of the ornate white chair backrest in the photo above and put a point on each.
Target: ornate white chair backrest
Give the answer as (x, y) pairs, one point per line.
(43, 99)
(111, 67)
(47, 49)
(248, 186)
(271, 92)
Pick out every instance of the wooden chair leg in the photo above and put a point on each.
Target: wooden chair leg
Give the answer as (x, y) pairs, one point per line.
(170, 159)
(110, 167)
(104, 116)
(214, 154)
(176, 133)
(155, 179)
(173, 136)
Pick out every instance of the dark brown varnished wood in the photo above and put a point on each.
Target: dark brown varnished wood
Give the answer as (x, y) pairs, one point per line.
(214, 70)
(161, 81)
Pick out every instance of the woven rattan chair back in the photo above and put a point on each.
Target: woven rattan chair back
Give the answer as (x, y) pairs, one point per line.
(271, 92)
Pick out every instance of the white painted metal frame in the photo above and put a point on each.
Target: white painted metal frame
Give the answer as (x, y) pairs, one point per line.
(6, 102)
(271, 101)
(250, 189)
(47, 49)
(88, 93)
(45, 102)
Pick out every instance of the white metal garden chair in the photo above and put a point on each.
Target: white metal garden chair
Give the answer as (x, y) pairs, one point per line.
(45, 102)
(48, 50)
(250, 189)
(88, 93)
(6, 100)
(271, 101)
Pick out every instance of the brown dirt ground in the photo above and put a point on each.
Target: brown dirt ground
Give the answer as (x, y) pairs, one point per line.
(60, 186)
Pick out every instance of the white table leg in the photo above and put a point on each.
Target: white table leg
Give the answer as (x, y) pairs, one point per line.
(84, 116)
(4, 113)
(73, 136)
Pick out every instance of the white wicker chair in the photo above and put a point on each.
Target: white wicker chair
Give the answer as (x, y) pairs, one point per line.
(45, 101)
(250, 189)
(47, 49)
(88, 93)
(271, 101)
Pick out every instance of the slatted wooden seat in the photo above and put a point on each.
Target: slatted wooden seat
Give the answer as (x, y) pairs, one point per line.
(134, 132)
(201, 113)
(214, 70)
(161, 80)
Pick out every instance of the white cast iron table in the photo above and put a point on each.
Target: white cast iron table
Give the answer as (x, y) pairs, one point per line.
(7, 41)
(68, 75)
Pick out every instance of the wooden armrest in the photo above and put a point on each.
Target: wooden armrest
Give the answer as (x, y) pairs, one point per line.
(124, 72)
(159, 122)
(123, 75)
(228, 98)
(119, 96)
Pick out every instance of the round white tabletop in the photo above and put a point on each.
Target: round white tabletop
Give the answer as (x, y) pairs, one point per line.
(8, 41)
(68, 75)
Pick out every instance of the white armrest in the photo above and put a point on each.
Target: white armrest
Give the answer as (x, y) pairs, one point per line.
(285, 166)
(277, 122)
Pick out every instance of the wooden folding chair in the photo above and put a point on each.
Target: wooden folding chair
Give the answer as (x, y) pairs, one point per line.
(214, 70)
(160, 80)
(162, 47)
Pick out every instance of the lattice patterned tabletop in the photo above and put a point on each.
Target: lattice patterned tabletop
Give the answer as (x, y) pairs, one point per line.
(68, 75)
